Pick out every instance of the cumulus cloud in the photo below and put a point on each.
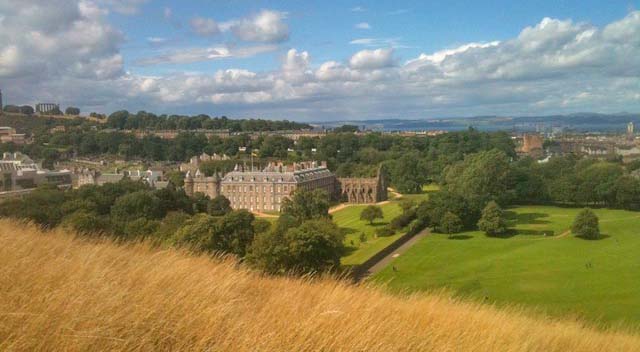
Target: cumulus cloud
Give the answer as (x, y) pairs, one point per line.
(372, 59)
(204, 26)
(265, 26)
(57, 38)
(549, 67)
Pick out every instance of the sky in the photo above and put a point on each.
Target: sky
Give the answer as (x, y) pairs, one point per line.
(323, 60)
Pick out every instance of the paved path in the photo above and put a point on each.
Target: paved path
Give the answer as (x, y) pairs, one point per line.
(398, 252)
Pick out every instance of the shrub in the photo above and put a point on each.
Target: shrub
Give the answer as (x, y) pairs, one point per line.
(403, 219)
(385, 231)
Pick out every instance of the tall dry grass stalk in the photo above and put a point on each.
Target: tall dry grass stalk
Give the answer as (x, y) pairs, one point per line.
(65, 294)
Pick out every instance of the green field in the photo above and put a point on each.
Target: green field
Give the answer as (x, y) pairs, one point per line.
(558, 273)
(349, 220)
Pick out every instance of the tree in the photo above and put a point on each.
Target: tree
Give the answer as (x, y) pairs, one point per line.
(586, 225)
(450, 224)
(407, 175)
(307, 205)
(26, 109)
(219, 206)
(371, 213)
(492, 221)
(480, 178)
(84, 222)
(196, 233)
(72, 111)
(12, 109)
(234, 233)
(407, 204)
(313, 247)
(140, 204)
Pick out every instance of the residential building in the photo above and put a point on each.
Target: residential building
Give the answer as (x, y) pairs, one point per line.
(19, 172)
(194, 162)
(85, 176)
(9, 135)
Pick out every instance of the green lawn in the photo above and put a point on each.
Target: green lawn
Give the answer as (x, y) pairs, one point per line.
(426, 190)
(558, 273)
(349, 220)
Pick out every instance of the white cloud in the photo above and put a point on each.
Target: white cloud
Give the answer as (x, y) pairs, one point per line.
(57, 38)
(372, 59)
(378, 42)
(204, 26)
(363, 25)
(439, 56)
(550, 67)
(156, 40)
(125, 7)
(190, 55)
(358, 9)
(265, 26)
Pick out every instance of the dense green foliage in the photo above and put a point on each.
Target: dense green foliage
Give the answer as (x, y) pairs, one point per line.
(492, 221)
(586, 225)
(144, 120)
(307, 205)
(371, 213)
(72, 111)
(314, 246)
(450, 224)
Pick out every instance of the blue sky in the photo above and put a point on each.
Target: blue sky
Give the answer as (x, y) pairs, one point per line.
(326, 28)
(306, 60)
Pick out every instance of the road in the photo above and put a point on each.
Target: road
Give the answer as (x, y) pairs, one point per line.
(398, 252)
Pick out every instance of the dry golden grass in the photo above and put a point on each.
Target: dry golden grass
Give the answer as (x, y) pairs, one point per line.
(60, 293)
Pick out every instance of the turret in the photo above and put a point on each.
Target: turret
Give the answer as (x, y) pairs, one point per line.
(188, 184)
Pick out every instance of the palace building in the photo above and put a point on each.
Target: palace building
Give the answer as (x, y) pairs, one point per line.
(263, 190)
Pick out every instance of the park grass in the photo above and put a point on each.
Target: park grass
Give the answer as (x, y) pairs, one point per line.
(540, 264)
(60, 292)
(348, 219)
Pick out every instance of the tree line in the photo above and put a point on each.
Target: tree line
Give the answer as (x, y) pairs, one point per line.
(303, 240)
(143, 120)
(474, 190)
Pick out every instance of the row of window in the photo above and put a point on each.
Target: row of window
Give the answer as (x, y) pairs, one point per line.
(250, 188)
(245, 199)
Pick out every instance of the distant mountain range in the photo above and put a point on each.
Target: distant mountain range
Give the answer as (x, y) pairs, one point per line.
(579, 122)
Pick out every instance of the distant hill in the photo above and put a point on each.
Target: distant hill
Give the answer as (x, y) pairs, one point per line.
(62, 292)
(581, 122)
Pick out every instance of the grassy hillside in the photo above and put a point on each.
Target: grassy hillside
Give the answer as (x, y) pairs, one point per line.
(60, 293)
(561, 274)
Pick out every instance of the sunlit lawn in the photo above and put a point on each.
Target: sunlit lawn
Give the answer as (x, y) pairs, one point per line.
(539, 265)
(349, 220)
